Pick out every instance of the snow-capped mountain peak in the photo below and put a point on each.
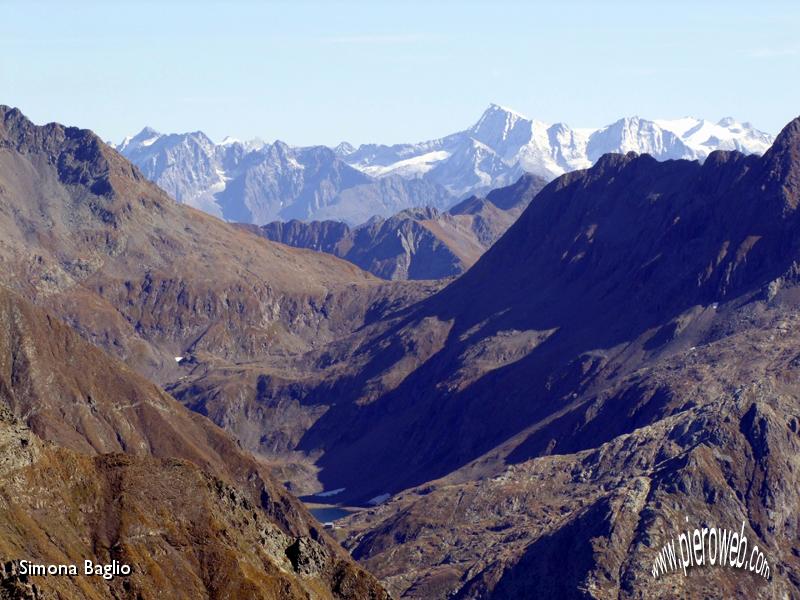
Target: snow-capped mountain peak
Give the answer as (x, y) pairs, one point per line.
(146, 137)
(256, 182)
(344, 148)
(510, 143)
(704, 136)
(496, 116)
(500, 126)
(259, 182)
(146, 133)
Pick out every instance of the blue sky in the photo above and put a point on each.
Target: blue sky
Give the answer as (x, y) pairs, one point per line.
(308, 72)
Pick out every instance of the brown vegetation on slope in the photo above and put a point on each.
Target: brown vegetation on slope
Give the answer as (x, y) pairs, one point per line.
(192, 513)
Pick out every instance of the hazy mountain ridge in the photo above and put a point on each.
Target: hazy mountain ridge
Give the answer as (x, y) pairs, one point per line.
(257, 183)
(421, 243)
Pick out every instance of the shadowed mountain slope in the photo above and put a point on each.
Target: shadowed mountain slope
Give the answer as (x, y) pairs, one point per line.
(623, 254)
(622, 358)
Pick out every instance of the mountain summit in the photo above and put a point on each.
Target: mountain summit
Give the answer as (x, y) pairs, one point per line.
(254, 184)
(500, 126)
(146, 137)
(624, 356)
(521, 144)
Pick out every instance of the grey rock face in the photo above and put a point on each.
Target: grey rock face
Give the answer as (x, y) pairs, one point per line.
(256, 183)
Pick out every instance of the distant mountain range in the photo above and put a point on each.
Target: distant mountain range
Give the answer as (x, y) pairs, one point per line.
(503, 144)
(255, 182)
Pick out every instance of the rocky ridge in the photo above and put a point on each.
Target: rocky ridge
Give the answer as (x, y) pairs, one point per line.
(421, 243)
(257, 183)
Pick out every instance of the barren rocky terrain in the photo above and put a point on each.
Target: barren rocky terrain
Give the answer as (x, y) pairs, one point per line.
(637, 317)
(98, 462)
(713, 425)
(617, 367)
(87, 236)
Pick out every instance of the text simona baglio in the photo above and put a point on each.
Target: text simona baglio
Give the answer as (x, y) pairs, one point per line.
(106, 571)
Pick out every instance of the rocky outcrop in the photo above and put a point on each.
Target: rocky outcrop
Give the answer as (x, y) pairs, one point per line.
(16, 586)
(182, 532)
